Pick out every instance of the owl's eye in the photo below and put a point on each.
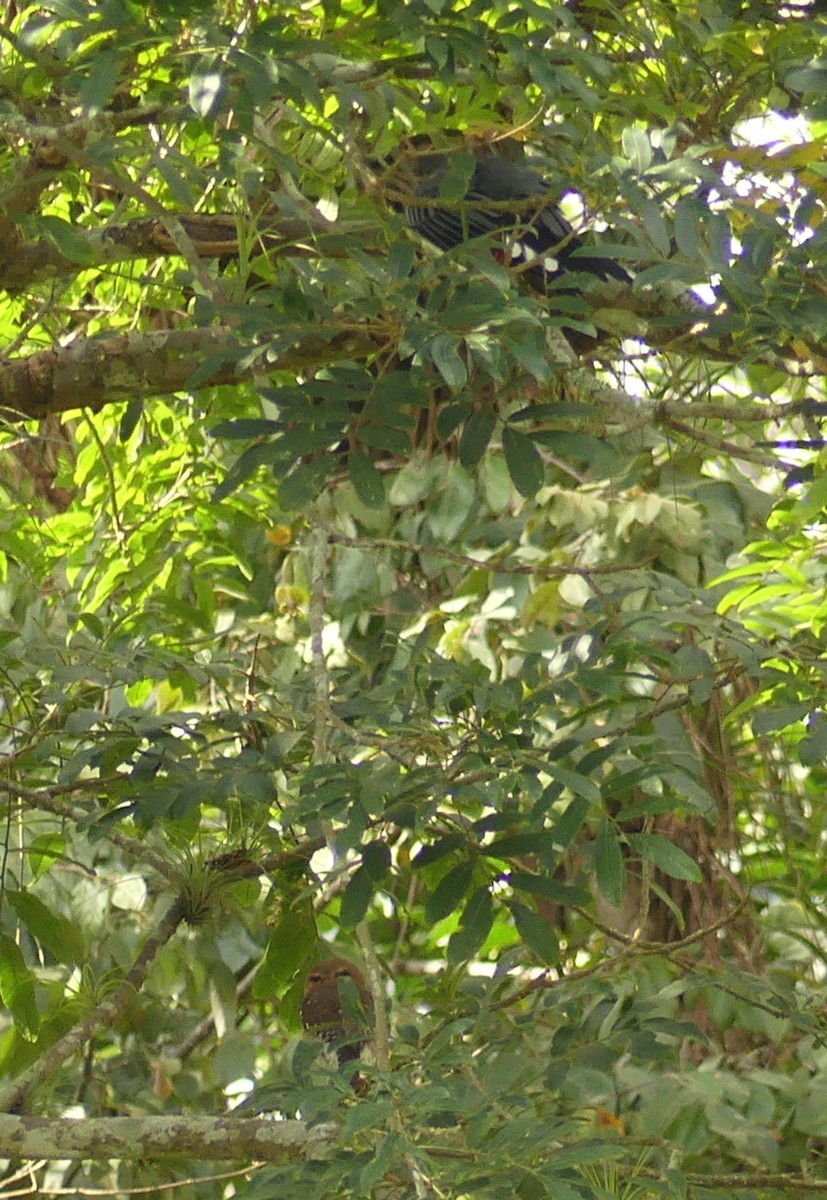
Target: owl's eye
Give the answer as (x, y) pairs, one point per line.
(344, 973)
(315, 977)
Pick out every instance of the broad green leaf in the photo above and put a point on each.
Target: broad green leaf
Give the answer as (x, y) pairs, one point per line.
(356, 898)
(809, 1109)
(44, 850)
(569, 823)
(376, 859)
(525, 466)
(290, 944)
(457, 176)
(17, 989)
(366, 480)
(810, 79)
(637, 148)
(389, 1150)
(688, 213)
(475, 925)
(476, 435)
(536, 933)
(62, 939)
(575, 782)
(401, 259)
(450, 890)
(369, 1114)
(96, 89)
(71, 242)
(774, 717)
(555, 890)
(608, 863)
(653, 220)
(668, 857)
(448, 360)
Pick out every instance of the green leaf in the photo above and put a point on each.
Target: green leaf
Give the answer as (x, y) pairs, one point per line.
(590, 1151)
(813, 748)
(303, 483)
(536, 933)
(432, 852)
(475, 925)
(55, 933)
(512, 845)
(653, 220)
(688, 227)
(810, 80)
(17, 989)
(367, 482)
(608, 863)
(448, 360)
(781, 716)
(401, 259)
(476, 434)
(368, 1114)
(637, 148)
(96, 89)
(567, 826)
(525, 466)
(566, 894)
(450, 890)
(356, 898)
(388, 1151)
(376, 859)
(668, 857)
(244, 466)
(455, 179)
(291, 942)
(234, 1057)
(248, 427)
(809, 1110)
(530, 350)
(69, 240)
(44, 850)
(575, 782)
(451, 416)
(176, 180)
(414, 482)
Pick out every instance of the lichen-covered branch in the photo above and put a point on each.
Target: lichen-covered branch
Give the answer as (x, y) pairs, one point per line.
(152, 1138)
(94, 372)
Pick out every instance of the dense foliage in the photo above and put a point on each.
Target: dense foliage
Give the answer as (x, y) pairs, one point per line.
(358, 598)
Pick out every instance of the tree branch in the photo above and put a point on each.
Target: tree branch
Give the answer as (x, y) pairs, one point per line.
(155, 1138)
(94, 372)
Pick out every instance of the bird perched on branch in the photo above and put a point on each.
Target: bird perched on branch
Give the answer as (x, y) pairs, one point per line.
(478, 190)
(338, 1007)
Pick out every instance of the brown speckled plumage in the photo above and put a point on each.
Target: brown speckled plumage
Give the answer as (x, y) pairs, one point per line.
(326, 1012)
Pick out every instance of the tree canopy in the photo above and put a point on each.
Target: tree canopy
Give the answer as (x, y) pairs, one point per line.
(362, 599)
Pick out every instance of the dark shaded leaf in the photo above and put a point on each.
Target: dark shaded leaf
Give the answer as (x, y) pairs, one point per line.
(525, 466)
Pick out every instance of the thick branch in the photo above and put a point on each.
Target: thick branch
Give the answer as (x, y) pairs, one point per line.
(94, 372)
(213, 235)
(151, 1138)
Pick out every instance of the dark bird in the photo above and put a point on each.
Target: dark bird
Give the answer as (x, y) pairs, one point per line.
(338, 1007)
(500, 196)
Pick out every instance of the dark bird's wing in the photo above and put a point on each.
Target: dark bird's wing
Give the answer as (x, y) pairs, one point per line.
(537, 227)
(447, 224)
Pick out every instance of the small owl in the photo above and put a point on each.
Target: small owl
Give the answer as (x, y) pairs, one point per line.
(338, 1007)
